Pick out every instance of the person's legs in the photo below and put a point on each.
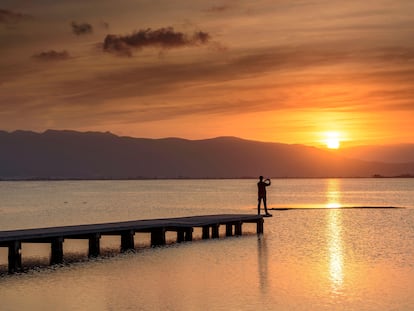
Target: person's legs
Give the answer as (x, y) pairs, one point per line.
(265, 205)
(258, 206)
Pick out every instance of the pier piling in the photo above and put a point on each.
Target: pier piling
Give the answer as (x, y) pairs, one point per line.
(184, 235)
(188, 234)
(127, 240)
(158, 237)
(260, 223)
(180, 236)
(57, 251)
(215, 231)
(94, 245)
(15, 256)
(238, 228)
(229, 229)
(206, 232)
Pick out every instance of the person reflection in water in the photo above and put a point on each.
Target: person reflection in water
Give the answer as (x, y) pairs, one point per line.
(261, 191)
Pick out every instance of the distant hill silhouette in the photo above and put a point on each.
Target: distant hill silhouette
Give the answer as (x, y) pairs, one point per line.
(401, 153)
(91, 155)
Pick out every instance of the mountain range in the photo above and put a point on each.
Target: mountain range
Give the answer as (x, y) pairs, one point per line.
(96, 155)
(398, 153)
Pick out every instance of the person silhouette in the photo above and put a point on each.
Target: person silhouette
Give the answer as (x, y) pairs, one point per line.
(261, 194)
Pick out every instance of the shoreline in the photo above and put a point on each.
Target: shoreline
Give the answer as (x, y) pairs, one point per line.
(199, 178)
(329, 208)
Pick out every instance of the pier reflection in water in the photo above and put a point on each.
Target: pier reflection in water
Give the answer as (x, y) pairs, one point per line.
(262, 263)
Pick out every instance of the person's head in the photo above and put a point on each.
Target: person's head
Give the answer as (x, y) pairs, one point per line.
(261, 178)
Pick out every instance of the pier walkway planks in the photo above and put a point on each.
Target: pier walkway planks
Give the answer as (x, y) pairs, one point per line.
(184, 227)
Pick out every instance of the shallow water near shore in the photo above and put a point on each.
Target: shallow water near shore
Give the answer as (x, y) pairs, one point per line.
(319, 258)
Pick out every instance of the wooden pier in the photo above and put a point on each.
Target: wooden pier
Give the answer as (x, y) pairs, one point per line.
(183, 226)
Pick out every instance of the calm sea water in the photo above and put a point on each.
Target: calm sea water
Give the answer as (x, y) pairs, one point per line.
(314, 256)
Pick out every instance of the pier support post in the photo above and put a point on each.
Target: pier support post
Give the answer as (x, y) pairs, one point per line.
(238, 228)
(229, 229)
(188, 234)
(206, 232)
(158, 237)
(127, 240)
(15, 256)
(184, 234)
(215, 231)
(260, 226)
(180, 236)
(94, 245)
(57, 251)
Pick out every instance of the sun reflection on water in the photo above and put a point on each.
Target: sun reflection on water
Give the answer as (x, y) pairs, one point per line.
(336, 264)
(334, 229)
(333, 205)
(333, 194)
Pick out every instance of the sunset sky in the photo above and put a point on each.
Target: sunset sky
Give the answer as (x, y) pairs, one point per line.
(270, 70)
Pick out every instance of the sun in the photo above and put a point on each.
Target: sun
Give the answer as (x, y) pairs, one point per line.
(332, 140)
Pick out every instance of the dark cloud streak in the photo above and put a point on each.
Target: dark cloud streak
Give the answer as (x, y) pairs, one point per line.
(81, 28)
(10, 17)
(164, 38)
(218, 9)
(51, 55)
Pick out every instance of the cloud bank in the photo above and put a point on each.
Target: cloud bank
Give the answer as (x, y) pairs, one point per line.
(302, 59)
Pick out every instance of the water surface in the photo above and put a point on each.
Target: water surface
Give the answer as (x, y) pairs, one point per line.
(308, 259)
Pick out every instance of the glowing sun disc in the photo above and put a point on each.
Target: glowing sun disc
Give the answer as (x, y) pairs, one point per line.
(332, 140)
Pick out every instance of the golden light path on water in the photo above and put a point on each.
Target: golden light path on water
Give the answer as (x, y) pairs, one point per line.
(334, 229)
